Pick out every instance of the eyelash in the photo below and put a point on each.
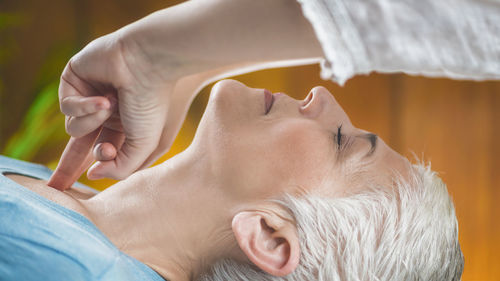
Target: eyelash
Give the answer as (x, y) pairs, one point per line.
(342, 141)
(339, 138)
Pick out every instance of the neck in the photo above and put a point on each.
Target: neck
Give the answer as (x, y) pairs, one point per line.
(171, 217)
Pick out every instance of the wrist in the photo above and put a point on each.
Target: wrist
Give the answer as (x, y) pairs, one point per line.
(150, 51)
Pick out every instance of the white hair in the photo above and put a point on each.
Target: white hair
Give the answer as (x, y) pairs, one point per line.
(409, 232)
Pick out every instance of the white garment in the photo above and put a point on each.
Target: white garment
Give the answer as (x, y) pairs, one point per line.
(452, 38)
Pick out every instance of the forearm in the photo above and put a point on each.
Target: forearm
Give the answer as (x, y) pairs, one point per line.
(229, 35)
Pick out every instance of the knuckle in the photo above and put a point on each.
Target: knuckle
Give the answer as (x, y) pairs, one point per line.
(72, 128)
(67, 125)
(65, 106)
(66, 70)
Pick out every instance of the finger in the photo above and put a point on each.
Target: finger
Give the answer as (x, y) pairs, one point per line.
(78, 106)
(77, 97)
(81, 126)
(104, 151)
(108, 144)
(129, 158)
(73, 85)
(75, 159)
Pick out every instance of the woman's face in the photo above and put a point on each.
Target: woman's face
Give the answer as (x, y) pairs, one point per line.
(298, 146)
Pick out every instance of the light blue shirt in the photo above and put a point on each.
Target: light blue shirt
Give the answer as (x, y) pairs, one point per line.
(41, 240)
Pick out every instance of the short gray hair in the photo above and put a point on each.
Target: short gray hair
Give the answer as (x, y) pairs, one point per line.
(409, 232)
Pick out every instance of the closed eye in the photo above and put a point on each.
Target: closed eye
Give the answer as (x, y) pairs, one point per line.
(339, 136)
(343, 142)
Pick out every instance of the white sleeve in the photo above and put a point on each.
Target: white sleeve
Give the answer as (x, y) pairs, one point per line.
(450, 38)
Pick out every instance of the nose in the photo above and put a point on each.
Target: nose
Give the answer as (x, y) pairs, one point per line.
(321, 104)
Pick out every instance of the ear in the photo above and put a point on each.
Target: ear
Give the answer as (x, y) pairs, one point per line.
(269, 241)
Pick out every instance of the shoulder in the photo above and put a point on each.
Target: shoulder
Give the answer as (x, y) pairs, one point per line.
(42, 241)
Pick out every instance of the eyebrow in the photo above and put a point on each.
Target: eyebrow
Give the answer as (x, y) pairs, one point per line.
(372, 138)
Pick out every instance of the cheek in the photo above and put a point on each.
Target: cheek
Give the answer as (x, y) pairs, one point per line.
(303, 151)
(293, 155)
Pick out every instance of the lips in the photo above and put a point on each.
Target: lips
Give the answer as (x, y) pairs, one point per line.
(269, 100)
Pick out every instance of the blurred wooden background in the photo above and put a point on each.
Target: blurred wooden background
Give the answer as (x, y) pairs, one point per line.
(454, 124)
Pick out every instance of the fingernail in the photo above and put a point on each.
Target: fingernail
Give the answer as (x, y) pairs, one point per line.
(97, 150)
(101, 106)
(106, 153)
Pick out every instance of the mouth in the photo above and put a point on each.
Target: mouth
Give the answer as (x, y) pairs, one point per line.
(269, 100)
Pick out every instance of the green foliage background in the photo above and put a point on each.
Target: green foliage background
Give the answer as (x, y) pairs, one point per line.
(41, 129)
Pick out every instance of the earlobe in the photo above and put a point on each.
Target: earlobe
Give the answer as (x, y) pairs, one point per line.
(269, 243)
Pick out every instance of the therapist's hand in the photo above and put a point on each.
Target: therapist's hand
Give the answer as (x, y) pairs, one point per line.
(119, 111)
(138, 89)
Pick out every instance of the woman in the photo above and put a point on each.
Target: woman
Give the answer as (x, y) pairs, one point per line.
(271, 188)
